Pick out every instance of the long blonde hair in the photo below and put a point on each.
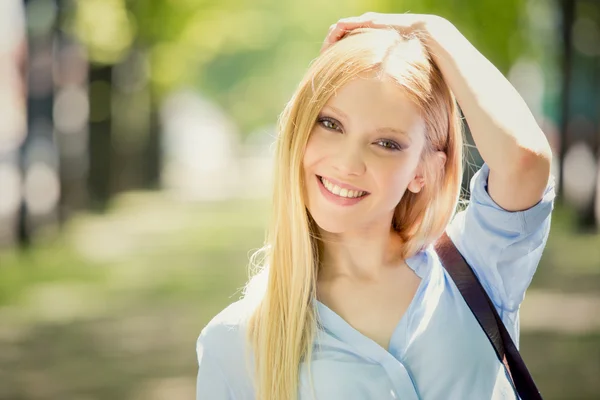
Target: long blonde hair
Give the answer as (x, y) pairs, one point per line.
(282, 327)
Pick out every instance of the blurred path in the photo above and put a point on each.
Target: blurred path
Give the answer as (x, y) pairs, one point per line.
(567, 313)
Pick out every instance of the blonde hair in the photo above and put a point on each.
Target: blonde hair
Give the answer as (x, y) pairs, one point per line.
(282, 327)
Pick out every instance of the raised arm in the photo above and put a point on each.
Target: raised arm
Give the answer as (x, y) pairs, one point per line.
(505, 132)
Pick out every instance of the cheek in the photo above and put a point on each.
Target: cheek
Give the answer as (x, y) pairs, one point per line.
(393, 180)
(313, 153)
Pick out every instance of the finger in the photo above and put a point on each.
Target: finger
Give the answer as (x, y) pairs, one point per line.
(353, 22)
(326, 40)
(333, 36)
(368, 20)
(345, 25)
(342, 27)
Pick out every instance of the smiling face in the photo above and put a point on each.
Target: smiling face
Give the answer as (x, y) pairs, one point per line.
(363, 153)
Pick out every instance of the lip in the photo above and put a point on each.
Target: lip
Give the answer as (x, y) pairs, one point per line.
(343, 185)
(340, 201)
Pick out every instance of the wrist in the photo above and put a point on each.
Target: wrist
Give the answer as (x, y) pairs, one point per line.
(440, 33)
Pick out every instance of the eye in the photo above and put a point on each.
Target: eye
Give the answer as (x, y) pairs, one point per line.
(329, 123)
(389, 144)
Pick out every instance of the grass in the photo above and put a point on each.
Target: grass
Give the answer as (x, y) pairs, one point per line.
(112, 307)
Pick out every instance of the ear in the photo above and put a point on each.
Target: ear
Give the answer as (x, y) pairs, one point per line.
(438, 159)
(416, 184)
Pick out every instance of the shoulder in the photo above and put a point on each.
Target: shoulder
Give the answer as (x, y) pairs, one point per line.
(489, 220)
(227, 329)
(222, 346)
(502, 247)
(224, 367)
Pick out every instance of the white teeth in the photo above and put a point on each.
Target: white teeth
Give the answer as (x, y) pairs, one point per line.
(340, 191)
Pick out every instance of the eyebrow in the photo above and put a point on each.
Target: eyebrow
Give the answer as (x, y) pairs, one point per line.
(378, 130)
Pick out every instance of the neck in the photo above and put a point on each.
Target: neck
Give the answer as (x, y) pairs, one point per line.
(361, 255)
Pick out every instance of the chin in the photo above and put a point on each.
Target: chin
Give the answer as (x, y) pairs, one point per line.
(331, 224)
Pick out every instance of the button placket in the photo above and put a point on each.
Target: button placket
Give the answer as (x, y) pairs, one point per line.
(402, 383)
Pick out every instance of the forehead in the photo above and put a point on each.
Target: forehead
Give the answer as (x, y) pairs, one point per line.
(373, 101)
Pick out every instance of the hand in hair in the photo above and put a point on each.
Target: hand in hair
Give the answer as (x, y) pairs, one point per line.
(407, 24)
(503, 128)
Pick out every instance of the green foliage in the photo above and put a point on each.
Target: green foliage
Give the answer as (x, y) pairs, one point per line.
(104, 26)
(249, 56)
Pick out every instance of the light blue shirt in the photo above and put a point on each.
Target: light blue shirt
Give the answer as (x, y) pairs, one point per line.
(438, 350)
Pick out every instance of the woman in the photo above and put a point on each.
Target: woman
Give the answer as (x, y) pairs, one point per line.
(351, 301)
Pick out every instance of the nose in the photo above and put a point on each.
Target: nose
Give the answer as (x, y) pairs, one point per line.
(349, 160)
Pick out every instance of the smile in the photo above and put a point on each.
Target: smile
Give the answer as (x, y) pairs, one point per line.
(339, 191)
(344, 196)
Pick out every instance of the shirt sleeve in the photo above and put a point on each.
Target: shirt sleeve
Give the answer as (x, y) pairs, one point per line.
(503, 247)
(211, 383)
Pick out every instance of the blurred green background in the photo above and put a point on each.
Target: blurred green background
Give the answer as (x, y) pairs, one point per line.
(135, 167)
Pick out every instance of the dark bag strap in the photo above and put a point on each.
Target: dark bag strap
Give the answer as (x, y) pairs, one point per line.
(480, 304)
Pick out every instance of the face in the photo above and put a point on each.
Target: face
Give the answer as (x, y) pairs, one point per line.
(362, 155)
